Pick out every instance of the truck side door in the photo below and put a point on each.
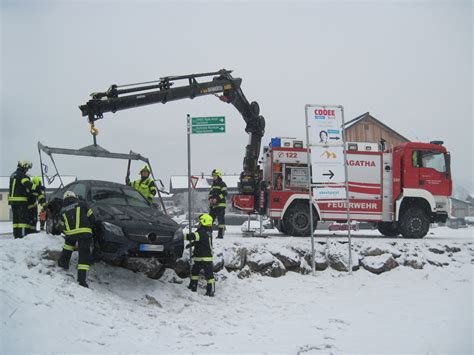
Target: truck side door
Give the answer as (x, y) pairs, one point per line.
(431, 172)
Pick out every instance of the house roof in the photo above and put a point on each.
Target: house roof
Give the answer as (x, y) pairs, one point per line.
(366, 116)
(179, 183)
(55, 184)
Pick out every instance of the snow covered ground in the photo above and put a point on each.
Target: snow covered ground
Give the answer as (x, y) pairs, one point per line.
(404, 310)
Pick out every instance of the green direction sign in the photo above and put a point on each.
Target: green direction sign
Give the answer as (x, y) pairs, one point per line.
(208, 129)
(197, 121)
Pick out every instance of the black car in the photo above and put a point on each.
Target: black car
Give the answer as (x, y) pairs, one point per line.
(127, 225)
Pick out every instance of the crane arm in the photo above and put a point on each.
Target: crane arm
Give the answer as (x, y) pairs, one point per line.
(123, 97)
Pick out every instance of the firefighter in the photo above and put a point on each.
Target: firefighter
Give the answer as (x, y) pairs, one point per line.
(78, 227)
(19, 192)
(217, 201)
(201, 240)
(145, 185)
(36, 196)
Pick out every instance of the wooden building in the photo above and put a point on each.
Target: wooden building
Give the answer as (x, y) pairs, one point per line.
(366, 128)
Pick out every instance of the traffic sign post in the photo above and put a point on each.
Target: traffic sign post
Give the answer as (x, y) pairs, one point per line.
(214, 124)
(194, 181)
(325, 136)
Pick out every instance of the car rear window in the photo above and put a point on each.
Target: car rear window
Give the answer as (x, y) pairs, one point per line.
(117, 196)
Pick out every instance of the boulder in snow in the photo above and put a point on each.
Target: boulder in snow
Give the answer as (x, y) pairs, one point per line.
(379, 264)
(320, 261)
(376, 251)
(289, 258)
(265, 263)
(414, 262)
(244, 273)
(218, 262)
(436, 250)
(338, 257)
(450, 249)
(234, 257)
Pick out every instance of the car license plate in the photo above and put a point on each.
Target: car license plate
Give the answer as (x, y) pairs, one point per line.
(151, 247)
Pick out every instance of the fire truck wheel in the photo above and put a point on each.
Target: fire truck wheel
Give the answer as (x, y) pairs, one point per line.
(296, 221)
(414, 223)
(388, 229)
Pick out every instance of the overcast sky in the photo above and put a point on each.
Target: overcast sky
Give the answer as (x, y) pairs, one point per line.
(409, 63)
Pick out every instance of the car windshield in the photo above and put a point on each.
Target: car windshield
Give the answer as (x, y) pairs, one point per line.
(117, 196)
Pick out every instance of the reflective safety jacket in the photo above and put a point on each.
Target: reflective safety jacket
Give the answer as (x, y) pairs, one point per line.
(202, 242)
(20, 187)
(219, 192)
(77, 218)
(146, 187)
(37, 195)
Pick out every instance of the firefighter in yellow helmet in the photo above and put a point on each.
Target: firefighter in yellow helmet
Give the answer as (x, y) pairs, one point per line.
(37, 196)
(217, 201)
(201, 240)
(19, 191)
(145, 185)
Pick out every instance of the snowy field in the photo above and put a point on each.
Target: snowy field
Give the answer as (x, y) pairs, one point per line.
(429, 310)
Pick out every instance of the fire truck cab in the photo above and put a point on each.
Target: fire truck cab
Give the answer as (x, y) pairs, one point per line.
(401, 190)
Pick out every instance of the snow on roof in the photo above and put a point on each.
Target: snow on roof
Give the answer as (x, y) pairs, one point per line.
(56, 183)
(179, 182)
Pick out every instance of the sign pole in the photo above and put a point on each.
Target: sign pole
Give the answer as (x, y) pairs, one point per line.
(310, 196)
(347, 191)
(189, 183)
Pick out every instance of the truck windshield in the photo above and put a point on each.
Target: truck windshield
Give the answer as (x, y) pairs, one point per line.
(434, 160)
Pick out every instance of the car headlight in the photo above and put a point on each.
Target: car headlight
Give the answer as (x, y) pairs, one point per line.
(114, 229)
(178, 234)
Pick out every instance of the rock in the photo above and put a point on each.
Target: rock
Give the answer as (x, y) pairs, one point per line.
(452, 249)
(320, 261)
(182, 268)
(265, 264)
(289, 258)
(150, 267)
(379, 264)
(304, 267)
(235, 257)
(153, 301)
(375, 251)
(244, 273)
(414, 262)
(338, 257)
(436, 250)
(218, 262)
(51, 255)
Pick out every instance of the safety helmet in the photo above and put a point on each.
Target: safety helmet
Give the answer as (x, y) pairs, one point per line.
(145, 168)
(69, 194)
(205, 220)
(25, 164)
(36, 180)
(216, 172)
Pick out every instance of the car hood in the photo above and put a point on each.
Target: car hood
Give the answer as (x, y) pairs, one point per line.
(134, 217)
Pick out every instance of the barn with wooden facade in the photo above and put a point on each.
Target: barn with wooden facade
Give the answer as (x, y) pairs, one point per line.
(366, 128)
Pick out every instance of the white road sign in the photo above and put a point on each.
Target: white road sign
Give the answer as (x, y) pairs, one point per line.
(324, 125)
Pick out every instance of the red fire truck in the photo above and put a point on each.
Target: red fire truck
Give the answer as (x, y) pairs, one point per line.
(401, 190)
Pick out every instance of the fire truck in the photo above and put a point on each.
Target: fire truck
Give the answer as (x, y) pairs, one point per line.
(401, 190)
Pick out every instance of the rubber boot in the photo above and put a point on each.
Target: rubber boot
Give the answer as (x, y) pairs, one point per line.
(193, 284)
(220, 233)
(63, 260)
(210, 290)
(81, 278)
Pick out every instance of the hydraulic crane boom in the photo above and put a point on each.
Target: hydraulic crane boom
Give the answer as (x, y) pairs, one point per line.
(162, 91)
